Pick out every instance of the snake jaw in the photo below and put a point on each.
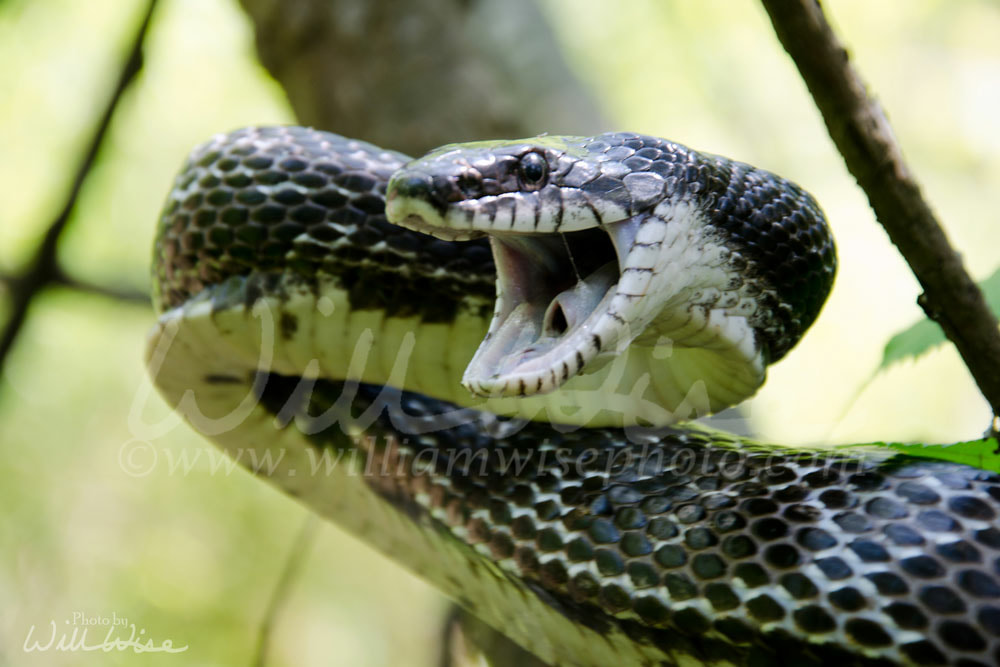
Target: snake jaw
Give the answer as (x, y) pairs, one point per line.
(553, 300)
(413, 214)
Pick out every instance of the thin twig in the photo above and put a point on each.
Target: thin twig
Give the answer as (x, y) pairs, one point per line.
(9, 283)
(296, 558)
(865, 139)
(43, 268)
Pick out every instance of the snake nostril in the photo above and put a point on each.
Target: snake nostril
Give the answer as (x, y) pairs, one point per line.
(470, 184)
(446, 189)
(411, 184)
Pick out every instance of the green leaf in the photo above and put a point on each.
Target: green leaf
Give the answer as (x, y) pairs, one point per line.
(912, 342)
(925, 334)
(981, 454)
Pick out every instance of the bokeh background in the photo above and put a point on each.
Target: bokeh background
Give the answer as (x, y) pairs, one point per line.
(193, 554)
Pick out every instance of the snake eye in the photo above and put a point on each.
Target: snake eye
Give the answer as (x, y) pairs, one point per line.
(532, 170)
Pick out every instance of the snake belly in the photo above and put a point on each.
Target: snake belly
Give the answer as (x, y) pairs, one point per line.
(321, 346)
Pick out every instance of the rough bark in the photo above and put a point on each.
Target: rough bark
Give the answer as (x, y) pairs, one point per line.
(414, 74)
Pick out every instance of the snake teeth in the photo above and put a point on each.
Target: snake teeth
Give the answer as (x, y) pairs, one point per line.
(553, 296)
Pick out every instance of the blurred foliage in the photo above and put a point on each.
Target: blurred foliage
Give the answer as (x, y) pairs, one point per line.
(924, 335)
(193, 555)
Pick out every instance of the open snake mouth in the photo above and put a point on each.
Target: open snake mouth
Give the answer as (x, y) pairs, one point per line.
(551, 291)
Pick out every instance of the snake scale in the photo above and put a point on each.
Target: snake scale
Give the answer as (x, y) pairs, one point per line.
(626, 283)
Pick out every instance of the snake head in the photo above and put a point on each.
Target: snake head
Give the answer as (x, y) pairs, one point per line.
(463, 191)
(692, 271)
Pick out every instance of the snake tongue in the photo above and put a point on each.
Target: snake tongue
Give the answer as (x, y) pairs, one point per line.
(541, 331)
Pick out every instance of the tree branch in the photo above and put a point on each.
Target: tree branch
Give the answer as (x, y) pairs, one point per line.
(43, 268)
(863, 136)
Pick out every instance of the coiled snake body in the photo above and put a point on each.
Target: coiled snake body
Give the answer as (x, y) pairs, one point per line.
(638, 282)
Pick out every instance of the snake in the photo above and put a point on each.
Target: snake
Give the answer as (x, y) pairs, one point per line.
(486, 362)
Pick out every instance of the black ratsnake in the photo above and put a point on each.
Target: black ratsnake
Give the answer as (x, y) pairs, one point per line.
(639, 282)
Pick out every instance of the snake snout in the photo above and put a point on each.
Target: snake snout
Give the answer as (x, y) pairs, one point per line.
(419, 201)
(410, 184)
